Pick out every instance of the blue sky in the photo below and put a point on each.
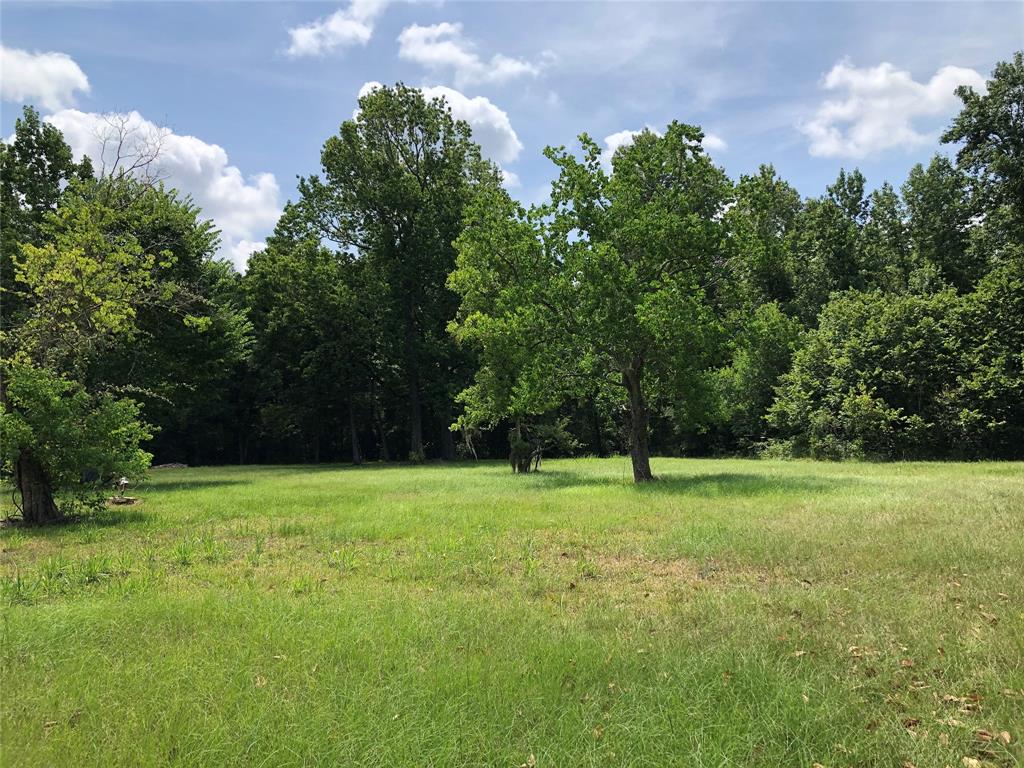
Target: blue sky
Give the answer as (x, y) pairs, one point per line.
(248, 91)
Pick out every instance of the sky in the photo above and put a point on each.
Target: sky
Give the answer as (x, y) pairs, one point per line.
(243, 94)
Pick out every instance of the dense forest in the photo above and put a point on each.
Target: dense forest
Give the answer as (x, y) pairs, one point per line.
(407, 307)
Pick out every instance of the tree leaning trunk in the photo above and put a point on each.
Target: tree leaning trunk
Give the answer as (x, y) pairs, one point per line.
(37, 505)
(639, 421)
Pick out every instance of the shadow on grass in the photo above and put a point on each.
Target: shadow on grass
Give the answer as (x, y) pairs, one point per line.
(709, 484)
(103, 518)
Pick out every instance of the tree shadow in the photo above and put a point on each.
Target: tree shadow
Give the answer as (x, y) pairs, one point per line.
(712, 484)
(106, 517)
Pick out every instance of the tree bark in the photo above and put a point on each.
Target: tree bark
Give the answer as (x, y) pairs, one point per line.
(598, 438)
(353, 433)
(415, 421)
(639, 421)
(37, 505)
(378, 421)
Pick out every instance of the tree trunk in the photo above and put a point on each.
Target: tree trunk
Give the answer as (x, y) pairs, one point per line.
(598, 438)
(37, 505)
(378, 421)
(353, 433)
(415, 421)
(639, 449)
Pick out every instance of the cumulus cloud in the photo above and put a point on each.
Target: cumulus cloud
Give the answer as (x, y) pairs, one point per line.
(242, 208)
(49, 80)
(492, 129)
(442, 46)
(877, 108)
(342, 29)
(714, 143)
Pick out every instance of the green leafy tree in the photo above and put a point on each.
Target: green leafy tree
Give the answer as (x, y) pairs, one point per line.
(313, 342)
(888, 258)
(82, 289)
(985, 405)
(34, 169)
(395, 182)
(939, 215)
(990, 130)
(760, 224)
(762, 352)
(868, 381)
(611, 281)
(826, 245)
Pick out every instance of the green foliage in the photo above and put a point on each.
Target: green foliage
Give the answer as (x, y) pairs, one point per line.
(762, 351)
(34, 169)
(991, 136)
(82, 440)
(760, 224)
(888, 376)
(986, 405)
(606, 283)
(395, 182)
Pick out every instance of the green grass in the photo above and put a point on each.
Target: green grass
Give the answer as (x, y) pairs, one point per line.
(736, 613)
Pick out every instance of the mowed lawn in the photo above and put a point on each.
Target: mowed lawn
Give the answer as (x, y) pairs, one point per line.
(736, 613)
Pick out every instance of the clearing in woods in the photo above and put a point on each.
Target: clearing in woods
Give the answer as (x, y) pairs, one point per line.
(748, 613)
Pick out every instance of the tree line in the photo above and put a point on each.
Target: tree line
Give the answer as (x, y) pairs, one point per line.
(407, 307)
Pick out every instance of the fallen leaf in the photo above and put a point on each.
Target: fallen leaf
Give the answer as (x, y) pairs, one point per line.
(598, 733)
(1004, 736)
(991, 618)
(806, 698)
(970, 762)
(799, 653)
(531, 761)
(906, 662)
(911, 722)
(983, 735)
(907, 764)
(944, 739)
(260, 681)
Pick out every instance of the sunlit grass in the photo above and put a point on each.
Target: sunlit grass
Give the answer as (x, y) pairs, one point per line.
(735, 613)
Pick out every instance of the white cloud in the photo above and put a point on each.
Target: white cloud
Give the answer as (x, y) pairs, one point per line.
(242, 208)
(442, 46)
(49, 80)
(492, 129)
(878, 107)
(343, 28)
(510, 179)
(714, 143)
(240, 252)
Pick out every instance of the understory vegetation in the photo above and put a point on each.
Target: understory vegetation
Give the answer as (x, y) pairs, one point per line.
(737, 612)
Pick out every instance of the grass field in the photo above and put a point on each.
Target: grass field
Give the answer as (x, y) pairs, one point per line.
(736, 613)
